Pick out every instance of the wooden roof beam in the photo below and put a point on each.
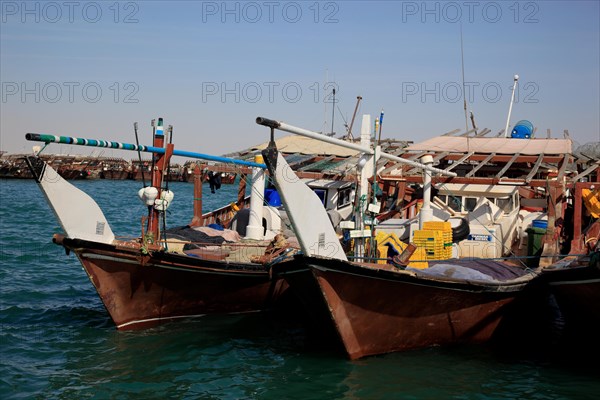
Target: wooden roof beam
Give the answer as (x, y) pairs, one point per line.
(460, 161)
(484, 132)
(467, 133)
(451, 133)
(563, 166)
(588, 171)
(535, 168)
(481, 164)
(507, 166)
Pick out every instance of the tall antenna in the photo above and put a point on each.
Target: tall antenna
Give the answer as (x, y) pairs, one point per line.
(332, 112)
(462, 61)
(325, 101)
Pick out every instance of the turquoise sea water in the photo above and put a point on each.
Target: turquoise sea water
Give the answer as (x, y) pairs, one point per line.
(57, 341)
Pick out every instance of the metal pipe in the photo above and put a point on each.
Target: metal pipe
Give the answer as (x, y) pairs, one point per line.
(254, 229)
(349, 145)
(37, 137)
(426, 212)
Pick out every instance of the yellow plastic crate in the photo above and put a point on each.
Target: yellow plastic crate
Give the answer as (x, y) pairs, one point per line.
(434, 243)
(446, 228)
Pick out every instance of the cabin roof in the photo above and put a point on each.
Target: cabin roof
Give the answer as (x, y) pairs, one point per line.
(305, 145)
(475, 189)
(493, 145)
(478, 158)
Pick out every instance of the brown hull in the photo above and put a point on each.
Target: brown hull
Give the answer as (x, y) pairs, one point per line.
(143, 291)
(577, 293)
(114, 175)
(376, 311)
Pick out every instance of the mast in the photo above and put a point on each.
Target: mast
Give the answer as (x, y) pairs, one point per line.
(462, 62)
(159, 163)
(512, 98)
(358, 99)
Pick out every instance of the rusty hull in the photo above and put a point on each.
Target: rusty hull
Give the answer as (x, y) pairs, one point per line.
(376, 311)
(140, 291)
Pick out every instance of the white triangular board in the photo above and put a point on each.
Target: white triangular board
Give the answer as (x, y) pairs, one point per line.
(307, 214)
(78, 214)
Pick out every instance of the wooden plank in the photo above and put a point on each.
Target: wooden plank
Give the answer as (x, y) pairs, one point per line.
(484, 132)
(481, 164)
(417, 155)
(502, 158)
(535, 168)
(439, 156)
(451, 132)
(507, 166)
(588, 171)
(467, 133)
(563, 166)
(462, 159)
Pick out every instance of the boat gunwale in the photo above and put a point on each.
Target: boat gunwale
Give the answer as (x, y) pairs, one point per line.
(303, 263)
(161, 259)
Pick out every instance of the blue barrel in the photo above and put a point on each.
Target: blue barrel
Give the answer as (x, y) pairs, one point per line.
(522, 130)
(272, 197)
(540, 223)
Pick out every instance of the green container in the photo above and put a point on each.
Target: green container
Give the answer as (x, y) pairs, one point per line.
(535, 238)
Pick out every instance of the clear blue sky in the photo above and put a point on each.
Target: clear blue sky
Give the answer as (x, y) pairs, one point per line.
(90, 69)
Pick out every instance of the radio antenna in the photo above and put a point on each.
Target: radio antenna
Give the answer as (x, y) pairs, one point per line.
(462, 61)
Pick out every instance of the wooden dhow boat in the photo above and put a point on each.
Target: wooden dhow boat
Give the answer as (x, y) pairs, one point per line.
(165, 274)
(393, 304)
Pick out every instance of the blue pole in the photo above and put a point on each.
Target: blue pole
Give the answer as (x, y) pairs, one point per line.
(37, 137)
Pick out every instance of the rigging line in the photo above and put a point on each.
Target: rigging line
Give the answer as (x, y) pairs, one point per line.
(42, 149)
(342, 116)
(462, 61)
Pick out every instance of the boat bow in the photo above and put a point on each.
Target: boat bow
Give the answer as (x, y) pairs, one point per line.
(78, 214)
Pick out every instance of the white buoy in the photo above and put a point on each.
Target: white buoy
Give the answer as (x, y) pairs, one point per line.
(150, 194)
(141, 195)
(166, 198)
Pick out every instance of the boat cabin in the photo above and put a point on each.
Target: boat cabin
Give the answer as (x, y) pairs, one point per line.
(464, 198)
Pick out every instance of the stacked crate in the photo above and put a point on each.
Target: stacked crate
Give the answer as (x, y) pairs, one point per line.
(436, 239)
